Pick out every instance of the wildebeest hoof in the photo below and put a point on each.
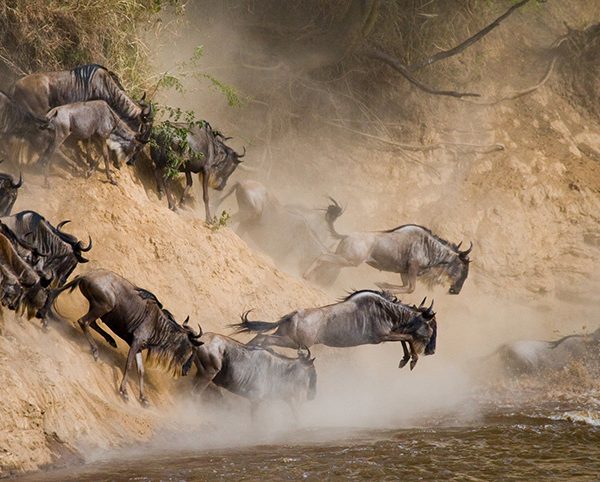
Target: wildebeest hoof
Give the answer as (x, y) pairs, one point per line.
(113, 182)
(403, 363)
(144, 402)
(124, 395)
(95, 354)
(412, 364)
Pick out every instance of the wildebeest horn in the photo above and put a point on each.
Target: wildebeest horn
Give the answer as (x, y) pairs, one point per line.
(423, 302)
(86, 248)
(186, 321)
(466, 253)
(61, 224)
(430, 306)
(458, 246)
(194, 336)
(334, 202)
(143, 97)
(239, 156)
(20, 183)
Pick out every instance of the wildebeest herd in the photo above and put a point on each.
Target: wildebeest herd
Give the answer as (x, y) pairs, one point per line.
(86, 108)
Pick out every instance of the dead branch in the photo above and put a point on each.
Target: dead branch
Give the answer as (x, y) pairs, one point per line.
(403, 70)
(520, 93)
(467, 43)
(480, 148)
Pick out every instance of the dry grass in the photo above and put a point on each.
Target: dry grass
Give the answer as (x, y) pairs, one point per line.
(55, 34)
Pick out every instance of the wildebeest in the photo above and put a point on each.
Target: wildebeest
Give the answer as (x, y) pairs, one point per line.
(136, 316)
(293, 235)
(30, 290)
(410, 250)
(206, 154)
(9, 190)
(61, 252)
(93, 122)
(43, 91)
(533, 356)
(254, 373)
(364, 317)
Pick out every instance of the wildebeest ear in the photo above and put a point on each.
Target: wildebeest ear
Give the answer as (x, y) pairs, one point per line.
(312, 360)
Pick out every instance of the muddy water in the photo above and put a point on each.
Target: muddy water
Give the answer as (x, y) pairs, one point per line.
(551, 443)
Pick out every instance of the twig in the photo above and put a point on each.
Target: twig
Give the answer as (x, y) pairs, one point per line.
(403, 70)
(12, 65)
(467, 43)
(519, 93)
(481, 148)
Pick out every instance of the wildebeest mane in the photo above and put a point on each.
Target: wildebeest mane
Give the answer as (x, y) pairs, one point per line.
(427, 230)
(388, 296)
(169, 347)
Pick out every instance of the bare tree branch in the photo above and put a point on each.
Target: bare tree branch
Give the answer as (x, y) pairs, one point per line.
(403, 70)
(519, 93)
(480, 148)
(467, 43)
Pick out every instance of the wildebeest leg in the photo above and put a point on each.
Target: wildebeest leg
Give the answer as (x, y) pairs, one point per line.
(93, 163)
(414, 357)
(329, 258)
(131, 355)
(403, 338)
(109, 339)
(207, 367)
(188, 185)
(205, 195)
(84, 323)
(106, 156)
(273, 340)
(406, 358)
(409, 281)
(140, 368)
(44, 161)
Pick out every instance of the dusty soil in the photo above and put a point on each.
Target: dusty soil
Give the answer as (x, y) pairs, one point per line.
(57, 402)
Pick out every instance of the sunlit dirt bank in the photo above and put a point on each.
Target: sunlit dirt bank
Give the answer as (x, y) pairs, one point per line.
(517, 177)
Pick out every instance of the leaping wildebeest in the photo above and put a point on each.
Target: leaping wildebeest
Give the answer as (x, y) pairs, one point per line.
(293, 235)
(206, 154)
(364, 317)
(536, 356)
(136, 316)
(412, 251)
(93, 122)
(255, 373)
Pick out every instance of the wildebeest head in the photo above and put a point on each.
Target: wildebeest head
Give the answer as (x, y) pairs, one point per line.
(193, 337)
(427, 329)
(78, 246)
(147, 114)
(308, 366)
(227, 161)
(11, 291)
(458, 269)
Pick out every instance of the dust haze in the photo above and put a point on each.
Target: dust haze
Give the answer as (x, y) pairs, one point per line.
(518, 187)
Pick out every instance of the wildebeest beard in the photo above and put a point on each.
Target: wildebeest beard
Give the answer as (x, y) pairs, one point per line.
(169, 347)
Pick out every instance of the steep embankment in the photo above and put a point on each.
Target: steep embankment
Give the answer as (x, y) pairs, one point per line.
(56, 401)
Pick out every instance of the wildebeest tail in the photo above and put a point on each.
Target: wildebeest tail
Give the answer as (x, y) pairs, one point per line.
(52, 295)
(247, 326)
(333, 212)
